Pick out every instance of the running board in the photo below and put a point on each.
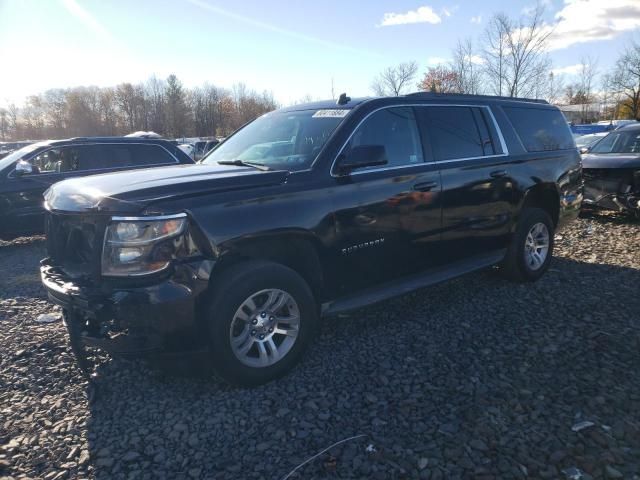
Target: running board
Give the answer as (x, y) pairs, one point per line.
(408, 284)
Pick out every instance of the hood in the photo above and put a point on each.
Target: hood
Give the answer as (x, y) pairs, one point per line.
(132, 190)
(611, 160)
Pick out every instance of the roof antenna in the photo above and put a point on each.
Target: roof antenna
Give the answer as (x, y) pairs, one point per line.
(343, 100)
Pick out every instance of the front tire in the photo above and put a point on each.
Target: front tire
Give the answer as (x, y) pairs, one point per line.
(531, 248)
(261, 319)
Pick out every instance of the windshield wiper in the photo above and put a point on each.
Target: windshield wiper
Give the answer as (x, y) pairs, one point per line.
(242, 163)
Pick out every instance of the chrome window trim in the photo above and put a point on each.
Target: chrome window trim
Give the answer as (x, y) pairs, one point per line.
(503, 144)
(175, 162)
(152, 218)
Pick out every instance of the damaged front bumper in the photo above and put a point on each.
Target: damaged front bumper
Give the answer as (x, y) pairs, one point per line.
(152, 320)
(612, 189)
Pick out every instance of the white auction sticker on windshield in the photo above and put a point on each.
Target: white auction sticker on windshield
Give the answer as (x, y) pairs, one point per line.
(335, 113)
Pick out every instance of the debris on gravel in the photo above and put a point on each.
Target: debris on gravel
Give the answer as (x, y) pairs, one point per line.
(475, 378)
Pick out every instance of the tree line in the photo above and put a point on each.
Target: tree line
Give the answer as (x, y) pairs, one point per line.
(510, 58)
(164, 106)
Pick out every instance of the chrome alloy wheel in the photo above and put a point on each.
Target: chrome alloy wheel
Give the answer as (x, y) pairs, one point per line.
(264, 328)
(536, 246)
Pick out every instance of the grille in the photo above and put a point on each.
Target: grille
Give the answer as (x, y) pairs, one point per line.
(74, 243)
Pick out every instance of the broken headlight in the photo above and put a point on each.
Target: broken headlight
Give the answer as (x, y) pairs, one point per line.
(141, 245)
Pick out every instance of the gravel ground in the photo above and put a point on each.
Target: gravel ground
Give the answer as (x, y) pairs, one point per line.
(476, 378)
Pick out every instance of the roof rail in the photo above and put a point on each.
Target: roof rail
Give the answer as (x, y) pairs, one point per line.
(480, 97)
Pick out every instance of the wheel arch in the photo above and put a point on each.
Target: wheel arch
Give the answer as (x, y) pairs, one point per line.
(544, 196)
(299, 251)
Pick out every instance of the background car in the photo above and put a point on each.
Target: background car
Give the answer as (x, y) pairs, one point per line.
(615, 124)
(612, 172)
(203, 147)
(26, 173)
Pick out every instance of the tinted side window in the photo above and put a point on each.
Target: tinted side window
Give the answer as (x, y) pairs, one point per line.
(396, 130)
(47, 161)
(69, 159)
(540, 129)
(86, 157)
(150, 155)
(453, 131)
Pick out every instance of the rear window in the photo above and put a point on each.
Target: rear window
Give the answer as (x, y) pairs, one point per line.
(540, 129)
(455, 132)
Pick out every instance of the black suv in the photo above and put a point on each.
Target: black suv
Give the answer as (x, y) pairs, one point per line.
(26, 173)
(307, 211)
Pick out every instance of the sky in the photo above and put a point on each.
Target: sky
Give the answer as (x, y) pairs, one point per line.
(292, 49)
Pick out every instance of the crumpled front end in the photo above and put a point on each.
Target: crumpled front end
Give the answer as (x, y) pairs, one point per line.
(133, 315)
(612, 189)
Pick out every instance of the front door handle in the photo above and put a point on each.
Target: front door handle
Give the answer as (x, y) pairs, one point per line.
(425, 186)
(498, 173)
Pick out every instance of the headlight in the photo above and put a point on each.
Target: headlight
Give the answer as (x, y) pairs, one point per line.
(141, 245)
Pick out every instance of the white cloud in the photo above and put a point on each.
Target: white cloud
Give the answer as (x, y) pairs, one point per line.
(477, 19)
(85, 17)
(476, 59)
(434, 61)
(581, 21)
(448, 11)
(569, 69)
(274, 28)
(423, 14)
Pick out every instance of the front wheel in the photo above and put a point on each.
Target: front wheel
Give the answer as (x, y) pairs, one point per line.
(531, 248)
(262, 317)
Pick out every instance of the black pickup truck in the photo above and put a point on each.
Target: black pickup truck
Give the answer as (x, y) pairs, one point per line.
(307, 211)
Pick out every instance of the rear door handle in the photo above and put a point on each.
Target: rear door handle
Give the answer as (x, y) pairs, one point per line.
(498, 173)
(425, 186)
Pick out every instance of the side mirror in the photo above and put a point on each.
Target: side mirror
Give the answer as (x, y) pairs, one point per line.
(362, 156)
(583, 150)
(23, 168)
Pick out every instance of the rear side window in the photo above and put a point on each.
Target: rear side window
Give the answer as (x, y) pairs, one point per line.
(454, 132)
(395, 129)
(150, 155)
(540, 129)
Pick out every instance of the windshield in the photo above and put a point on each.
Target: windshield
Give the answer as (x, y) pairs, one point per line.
(18, 154)
(619, 141)
(280, 140)
(587, 140)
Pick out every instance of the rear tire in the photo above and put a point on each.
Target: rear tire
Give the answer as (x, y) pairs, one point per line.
(531, 248)
(262, 318)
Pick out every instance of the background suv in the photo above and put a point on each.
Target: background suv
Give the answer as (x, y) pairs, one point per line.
(26, 173)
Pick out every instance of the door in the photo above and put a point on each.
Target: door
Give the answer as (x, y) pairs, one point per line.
(387, 217)
(477, 188)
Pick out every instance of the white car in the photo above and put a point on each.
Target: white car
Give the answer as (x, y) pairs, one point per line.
(187, 148)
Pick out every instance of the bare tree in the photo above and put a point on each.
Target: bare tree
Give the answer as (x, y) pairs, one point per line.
(611, 96)
(586, 78)
(55, 108)
(554, 88)
(177, 114)
(626, 79)
(4, 123)
(393, 81)
(107, 109)
(13, 121)
(495, 52)
(529, 61)
(466, 66)
(155, 93)
(515, 53)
